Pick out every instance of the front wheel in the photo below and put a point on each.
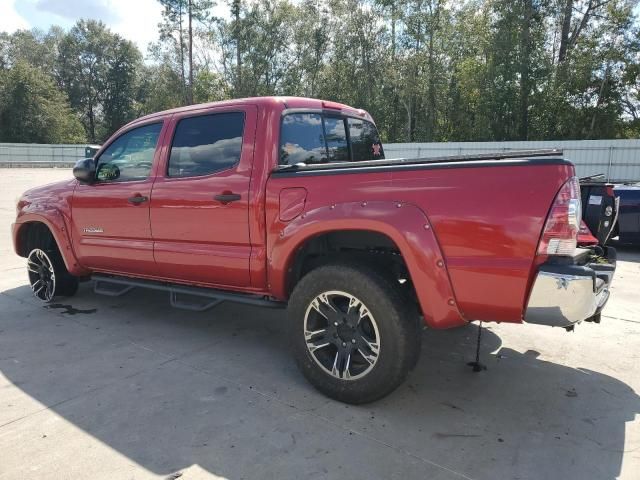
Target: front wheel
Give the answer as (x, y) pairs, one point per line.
(48, 275)
(354, 336)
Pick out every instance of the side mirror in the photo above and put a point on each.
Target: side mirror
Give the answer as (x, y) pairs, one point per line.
(85, 170)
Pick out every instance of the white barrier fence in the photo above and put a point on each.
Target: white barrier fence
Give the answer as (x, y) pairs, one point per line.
(40, 155)
(618, 160)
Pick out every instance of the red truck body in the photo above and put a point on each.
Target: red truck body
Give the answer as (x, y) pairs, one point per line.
(484, 230)
(467, 232)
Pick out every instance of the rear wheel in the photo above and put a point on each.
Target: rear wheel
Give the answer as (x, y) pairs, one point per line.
(48, 276)
(354, 337)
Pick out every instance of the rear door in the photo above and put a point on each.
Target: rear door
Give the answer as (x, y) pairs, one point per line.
(111, 230)
(200, 200)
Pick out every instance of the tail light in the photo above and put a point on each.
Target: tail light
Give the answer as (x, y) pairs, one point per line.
(585, 237)
(560, 233)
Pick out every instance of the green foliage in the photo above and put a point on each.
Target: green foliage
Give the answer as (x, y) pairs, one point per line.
(33, 109)
(209, 87)
(97, 69)
(160, 88)
(120, 94)
(177, 37)
(427, 70)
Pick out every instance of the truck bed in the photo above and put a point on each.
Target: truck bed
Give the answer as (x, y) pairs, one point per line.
(487, 213)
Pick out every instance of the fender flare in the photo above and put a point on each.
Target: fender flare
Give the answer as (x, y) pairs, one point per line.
(405, 224)
(54, 220)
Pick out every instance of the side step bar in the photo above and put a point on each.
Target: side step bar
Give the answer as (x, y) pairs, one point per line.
(196, 299)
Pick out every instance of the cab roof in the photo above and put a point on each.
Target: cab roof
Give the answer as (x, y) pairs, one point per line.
(267, 102)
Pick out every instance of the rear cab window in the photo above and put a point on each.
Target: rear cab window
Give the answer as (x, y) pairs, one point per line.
(302, 139)
(365, 141)
(336, 138)
(313, 138)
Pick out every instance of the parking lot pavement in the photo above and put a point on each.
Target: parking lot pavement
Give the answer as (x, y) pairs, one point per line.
(101, 387)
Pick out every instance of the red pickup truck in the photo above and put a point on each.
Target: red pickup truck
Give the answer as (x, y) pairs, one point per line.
(290, 202)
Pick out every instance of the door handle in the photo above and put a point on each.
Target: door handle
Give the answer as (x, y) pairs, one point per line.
(137, 199)
(228, 197)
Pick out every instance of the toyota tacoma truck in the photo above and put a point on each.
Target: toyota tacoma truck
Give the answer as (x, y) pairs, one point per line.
(290, 202)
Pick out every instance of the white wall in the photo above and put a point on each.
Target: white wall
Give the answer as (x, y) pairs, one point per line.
(619, 160)
(32, 154)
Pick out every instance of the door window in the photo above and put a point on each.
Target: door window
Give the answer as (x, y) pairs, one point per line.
(130, 156)
(206, 144)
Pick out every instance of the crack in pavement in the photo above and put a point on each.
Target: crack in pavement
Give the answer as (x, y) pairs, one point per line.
(622, 319)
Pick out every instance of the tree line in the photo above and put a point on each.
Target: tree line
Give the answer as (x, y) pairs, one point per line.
(427, 70)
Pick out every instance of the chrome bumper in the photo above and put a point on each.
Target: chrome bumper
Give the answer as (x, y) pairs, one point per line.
(566, 294)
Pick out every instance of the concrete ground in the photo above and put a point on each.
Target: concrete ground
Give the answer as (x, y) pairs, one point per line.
(118, 388)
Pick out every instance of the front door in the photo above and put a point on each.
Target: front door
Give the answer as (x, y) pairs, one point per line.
(200, 200)
(111, 230)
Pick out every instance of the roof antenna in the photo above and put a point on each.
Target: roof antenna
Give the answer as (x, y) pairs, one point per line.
(476, 365)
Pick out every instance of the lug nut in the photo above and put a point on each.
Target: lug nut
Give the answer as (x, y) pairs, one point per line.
(335, 324)
(353, 340)
(344, 344)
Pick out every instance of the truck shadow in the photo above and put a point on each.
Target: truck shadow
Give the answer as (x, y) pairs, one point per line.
(627, 253)
(171, 389)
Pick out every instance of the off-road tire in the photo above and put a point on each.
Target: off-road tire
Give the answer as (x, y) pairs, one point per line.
(397, 325)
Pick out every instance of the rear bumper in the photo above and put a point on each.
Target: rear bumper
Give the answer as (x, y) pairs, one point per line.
(563, 295)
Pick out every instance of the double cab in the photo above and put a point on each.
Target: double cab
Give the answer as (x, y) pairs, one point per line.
(290, 202)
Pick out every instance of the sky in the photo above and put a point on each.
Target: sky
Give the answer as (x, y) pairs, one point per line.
(135, 20)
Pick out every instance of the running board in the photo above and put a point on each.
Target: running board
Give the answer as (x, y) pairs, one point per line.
(111, 289)
(196, 299)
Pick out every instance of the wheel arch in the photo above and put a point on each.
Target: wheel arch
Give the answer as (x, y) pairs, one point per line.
(403, 227)
(33, 228)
